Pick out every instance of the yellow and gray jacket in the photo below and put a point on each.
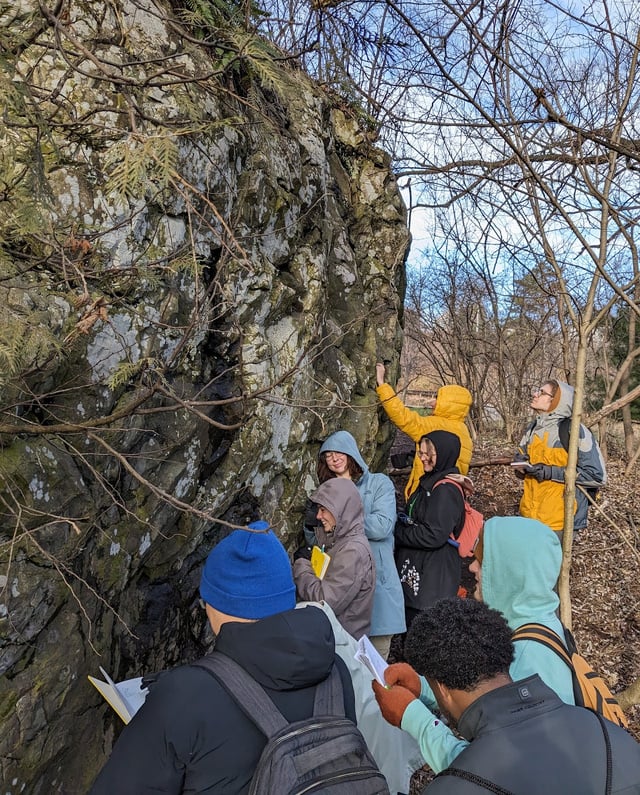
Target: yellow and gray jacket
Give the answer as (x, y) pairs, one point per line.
(541, 444)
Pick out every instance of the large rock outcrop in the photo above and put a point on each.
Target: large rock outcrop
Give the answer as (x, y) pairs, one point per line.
(201, 257)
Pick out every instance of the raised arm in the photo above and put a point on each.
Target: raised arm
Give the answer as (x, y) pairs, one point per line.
(406, 419)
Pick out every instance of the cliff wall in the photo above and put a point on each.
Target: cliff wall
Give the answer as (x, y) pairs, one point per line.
(201, 259)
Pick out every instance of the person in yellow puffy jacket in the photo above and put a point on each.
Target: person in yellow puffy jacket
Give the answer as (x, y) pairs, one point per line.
(450, 409)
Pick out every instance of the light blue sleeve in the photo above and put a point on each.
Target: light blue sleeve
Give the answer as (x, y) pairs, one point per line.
(380, 512)
(438, 744)
(426, 694)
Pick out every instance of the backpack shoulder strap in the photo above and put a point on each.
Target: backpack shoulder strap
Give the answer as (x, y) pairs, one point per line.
(447, 479)
(547, 637)
(256, 704)
(475, 779)
(569, 641)
(245, 691)
(329, 698)
(454, 482)
(563, 431)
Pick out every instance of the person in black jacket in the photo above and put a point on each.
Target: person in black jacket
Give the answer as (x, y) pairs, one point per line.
(428, 565)
(523, 738)
(190, 736)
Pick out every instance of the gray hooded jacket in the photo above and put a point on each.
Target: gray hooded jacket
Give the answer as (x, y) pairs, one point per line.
(541, 444)
(349, 582)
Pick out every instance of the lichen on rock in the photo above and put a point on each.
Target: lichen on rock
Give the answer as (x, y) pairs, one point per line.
(202, 260)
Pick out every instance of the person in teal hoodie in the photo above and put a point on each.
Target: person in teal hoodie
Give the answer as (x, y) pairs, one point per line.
(340, 457)
(519, 566)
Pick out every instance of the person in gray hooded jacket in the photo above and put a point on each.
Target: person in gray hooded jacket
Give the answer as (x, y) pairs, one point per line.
(543, 457)
(349, 582)
(340, 457)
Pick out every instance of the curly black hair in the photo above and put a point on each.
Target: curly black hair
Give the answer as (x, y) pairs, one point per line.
(459, 643)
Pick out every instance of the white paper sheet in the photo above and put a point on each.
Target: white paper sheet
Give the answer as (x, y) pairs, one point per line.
(367, 654)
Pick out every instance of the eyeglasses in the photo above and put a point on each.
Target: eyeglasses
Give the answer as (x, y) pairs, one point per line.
(424, 454)
(540, 391)
(333, 455)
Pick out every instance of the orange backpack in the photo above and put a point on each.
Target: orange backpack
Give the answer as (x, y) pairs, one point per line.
(589, 689)
(467, 538)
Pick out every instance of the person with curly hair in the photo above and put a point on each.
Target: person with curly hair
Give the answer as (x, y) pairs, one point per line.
(521, 737)
(521, 587)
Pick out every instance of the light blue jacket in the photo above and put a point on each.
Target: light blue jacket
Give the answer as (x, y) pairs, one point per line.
(379, 500)
(520, 566)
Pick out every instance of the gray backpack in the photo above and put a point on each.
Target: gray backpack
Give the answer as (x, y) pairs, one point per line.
(322, 754)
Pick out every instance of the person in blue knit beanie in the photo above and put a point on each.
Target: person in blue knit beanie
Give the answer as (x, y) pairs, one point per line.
(248, 575)
(190, 735)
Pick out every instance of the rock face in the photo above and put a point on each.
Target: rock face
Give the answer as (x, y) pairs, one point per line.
(202, 259)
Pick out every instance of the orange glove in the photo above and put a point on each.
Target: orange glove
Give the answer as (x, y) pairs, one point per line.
(403, 674)
(392, 701)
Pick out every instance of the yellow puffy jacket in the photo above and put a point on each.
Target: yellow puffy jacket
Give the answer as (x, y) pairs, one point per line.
(452, 406)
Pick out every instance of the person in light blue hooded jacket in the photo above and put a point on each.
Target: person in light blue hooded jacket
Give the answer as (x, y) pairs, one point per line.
(519, 566)
(340, 457)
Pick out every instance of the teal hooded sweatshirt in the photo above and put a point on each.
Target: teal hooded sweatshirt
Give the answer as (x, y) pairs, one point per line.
(520, 567)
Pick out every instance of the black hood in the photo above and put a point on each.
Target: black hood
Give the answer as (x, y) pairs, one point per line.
(447, 452)
(287, 651)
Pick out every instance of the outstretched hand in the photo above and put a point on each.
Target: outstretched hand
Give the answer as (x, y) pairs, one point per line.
(392, 701)
(380, 373)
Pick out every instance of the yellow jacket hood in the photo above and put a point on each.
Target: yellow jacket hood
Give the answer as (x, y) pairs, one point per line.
(453, 402)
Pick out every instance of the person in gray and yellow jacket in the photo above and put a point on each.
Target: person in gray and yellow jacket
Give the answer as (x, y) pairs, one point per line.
(543, 455)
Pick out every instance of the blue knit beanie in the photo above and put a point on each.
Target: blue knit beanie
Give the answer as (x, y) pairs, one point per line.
(248, 575)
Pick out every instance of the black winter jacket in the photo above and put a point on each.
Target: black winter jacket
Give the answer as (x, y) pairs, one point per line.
(527, 741)
(428, 565)
(190, 737)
